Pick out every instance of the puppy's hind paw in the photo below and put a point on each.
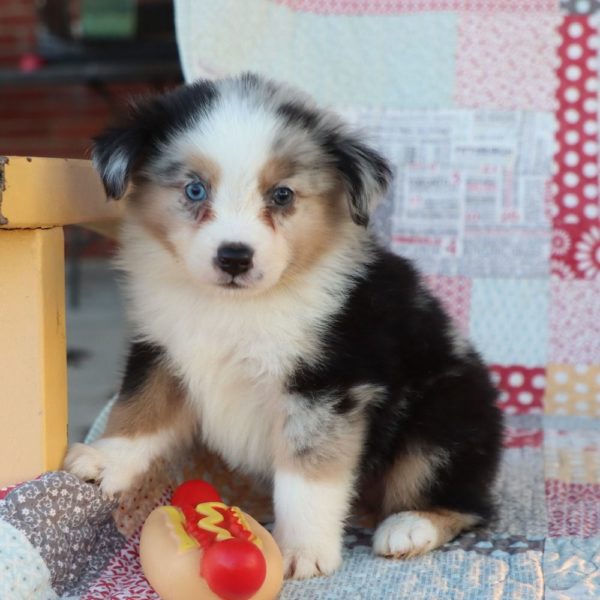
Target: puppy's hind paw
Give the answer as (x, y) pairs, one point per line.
(404, 535)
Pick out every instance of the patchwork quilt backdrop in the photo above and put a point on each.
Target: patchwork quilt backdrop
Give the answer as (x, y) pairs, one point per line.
(488, 111)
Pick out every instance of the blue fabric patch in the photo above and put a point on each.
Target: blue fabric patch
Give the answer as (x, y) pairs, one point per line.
(572, 568)
(396, 61)
(455, 575)
(509, 320)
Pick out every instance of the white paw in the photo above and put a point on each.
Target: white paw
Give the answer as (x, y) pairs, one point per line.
(302, 563)
(405, 534)
(106, 462)
(84, 461)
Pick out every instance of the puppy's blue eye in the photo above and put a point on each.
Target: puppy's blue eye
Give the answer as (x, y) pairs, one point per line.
(282, 196)
(196, 191)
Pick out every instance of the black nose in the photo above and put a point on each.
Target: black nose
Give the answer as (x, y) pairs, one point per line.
(234, 258)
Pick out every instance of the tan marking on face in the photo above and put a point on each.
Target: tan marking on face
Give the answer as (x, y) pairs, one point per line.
(161, 211)
(158, 404)
(274, 172)
(311, 224)
(163, 214)
(313, 230)
(205, 214)
(206, 168)
(314, 223)
(152, 206)
(266, 217)
(408, 479)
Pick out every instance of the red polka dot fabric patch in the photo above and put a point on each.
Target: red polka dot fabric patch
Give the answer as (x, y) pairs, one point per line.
(576, 209)
(521, 388)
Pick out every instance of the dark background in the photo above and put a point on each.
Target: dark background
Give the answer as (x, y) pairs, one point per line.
(55, 109)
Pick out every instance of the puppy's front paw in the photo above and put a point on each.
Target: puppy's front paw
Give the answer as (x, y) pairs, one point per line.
(303, 563)
(85, 461)
(405, 534)
(106, 462)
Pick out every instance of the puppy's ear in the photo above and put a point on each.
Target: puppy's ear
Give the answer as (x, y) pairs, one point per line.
(365, 173)
(118, 149)
(141, 132)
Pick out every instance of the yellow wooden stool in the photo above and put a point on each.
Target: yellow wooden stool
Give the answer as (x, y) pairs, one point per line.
(38, 196)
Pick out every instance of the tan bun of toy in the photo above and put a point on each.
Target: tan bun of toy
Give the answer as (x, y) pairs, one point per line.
(174, 572)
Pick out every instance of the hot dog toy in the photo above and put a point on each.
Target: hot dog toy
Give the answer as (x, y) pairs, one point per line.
(199, 548)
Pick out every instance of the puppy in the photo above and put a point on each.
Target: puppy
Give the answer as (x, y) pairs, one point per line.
(270, 325)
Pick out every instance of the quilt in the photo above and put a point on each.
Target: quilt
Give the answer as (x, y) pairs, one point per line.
(488, 113)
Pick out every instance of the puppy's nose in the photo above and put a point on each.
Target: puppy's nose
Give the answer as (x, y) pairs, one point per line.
(234, 258)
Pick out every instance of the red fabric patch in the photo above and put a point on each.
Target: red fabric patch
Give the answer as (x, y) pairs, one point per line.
(519, 437)
(506, 60)
(576, 209)
(390, 7)
(5, 491)
(123, 578)
(573, 508)
(521, 388)
(574, 318)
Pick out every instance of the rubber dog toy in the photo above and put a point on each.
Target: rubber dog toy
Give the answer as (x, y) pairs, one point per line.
(200, 548)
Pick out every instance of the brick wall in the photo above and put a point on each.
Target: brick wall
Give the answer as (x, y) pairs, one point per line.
(17, 32)
(55, 120)
(51, 120)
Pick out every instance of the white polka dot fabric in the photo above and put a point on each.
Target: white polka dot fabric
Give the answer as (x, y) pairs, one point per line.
(23, 573)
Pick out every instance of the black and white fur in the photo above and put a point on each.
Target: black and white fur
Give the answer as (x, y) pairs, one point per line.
(327, 368)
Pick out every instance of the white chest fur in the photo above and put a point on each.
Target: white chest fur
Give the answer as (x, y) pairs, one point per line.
(233, 352)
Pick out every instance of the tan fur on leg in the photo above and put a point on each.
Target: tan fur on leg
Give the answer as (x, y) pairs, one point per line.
(407, 481)
(159, 403)
(143, 427)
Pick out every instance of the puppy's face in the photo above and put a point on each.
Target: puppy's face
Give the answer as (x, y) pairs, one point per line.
(242, 181)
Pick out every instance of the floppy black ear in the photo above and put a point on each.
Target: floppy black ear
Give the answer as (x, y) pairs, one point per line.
(120, 150)
(366, 175)
(116, 151)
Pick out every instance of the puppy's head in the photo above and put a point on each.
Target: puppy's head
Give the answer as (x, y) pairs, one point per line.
(243, 181)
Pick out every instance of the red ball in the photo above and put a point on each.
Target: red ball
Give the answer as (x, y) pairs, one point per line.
(234, 569)
(194, 492)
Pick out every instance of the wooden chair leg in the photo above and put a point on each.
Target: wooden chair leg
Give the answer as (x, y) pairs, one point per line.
(33, 369)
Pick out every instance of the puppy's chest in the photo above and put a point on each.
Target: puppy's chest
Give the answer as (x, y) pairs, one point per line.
(240, 416)
(237, 378)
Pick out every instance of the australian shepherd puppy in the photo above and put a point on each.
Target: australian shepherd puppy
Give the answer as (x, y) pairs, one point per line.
(271, 325)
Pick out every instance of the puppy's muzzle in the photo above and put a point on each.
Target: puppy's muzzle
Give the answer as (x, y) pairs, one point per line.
(234, 259)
